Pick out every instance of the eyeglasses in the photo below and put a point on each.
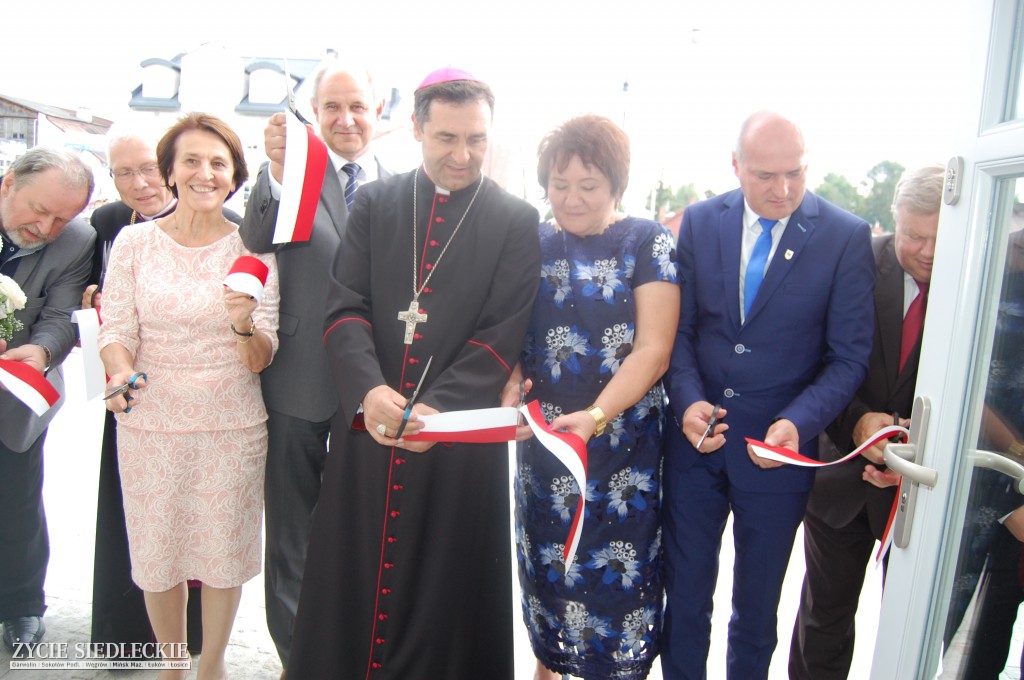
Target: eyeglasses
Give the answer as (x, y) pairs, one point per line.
(127, 174)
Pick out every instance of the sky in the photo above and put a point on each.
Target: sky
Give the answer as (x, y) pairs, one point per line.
(868, 81)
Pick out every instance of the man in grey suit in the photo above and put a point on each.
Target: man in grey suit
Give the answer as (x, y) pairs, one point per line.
(48, 253)
(297, 387)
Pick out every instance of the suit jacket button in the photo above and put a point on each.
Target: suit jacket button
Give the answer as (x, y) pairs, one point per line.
(739, 349)
(728, 393)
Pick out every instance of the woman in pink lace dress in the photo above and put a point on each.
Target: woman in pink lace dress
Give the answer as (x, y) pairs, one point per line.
(193, 446)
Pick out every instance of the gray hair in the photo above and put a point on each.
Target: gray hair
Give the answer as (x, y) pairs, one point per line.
(332, 65)
(134, 132)
(920, 190)
(40, 159)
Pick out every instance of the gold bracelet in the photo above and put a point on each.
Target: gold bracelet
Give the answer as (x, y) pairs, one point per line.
(602, 422)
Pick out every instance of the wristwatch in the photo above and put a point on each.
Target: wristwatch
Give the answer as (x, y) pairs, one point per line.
(599, 418)
(49, 358)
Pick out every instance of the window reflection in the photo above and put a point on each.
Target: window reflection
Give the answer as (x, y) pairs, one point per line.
(989, 584)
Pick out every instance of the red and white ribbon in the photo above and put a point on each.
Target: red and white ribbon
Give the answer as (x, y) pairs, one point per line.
(497, 425)
(88, 322)
(303, 179)
(248, 275)
(480, 426)
(572, 452)
(783, 455)
(28, 385)
(790, 457)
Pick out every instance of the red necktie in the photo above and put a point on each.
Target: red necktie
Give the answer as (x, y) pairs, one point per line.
(913, 322)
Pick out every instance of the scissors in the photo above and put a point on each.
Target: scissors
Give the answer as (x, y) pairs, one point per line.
(711, 425)
(412, 400)
(291, 94)
(123, 389)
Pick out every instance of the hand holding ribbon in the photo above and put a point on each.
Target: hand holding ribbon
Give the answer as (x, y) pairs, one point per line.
(23, 377)
(785, 455)
(496, 425)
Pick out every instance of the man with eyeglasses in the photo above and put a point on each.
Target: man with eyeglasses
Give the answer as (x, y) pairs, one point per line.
(118, 609)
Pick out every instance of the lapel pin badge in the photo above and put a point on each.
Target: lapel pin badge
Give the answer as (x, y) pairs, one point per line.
(789, 254)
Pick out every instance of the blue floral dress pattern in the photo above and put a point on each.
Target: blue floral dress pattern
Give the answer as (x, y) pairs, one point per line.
(600, 617)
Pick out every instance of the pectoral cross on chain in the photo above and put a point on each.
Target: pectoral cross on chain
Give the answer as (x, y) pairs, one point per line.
(411, 317)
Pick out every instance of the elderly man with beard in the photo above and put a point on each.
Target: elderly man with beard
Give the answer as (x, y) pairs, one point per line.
(47, 252)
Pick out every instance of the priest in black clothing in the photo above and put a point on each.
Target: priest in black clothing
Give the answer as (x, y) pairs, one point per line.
(408, 573)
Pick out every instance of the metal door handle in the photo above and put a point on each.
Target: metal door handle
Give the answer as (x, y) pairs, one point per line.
(903, 459)
(991, 460)
(899, 456)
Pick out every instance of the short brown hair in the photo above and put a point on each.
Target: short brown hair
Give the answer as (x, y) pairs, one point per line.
(166, 149)
(596, 141)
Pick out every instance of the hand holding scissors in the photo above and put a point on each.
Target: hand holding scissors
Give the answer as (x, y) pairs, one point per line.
(711, 425)
(702, 426)
(123, 390)
(412, 400)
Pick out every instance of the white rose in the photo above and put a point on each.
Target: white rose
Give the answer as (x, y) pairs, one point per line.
(12, 291)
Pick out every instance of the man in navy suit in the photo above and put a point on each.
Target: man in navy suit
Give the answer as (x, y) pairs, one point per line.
(775, 327)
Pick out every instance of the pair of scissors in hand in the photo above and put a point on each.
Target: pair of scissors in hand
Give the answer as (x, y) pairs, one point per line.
(291, 94)
(711, 426)
(123, 389)
(412, 400)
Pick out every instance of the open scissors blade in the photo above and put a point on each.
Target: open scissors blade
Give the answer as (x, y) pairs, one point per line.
(416, 392)
(116, 391)
(412, 399)
(290, 90)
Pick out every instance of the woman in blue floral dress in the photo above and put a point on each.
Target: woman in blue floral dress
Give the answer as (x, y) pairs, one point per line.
(599, 341)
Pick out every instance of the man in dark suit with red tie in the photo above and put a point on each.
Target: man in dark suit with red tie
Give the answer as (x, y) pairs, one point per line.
(850, 502)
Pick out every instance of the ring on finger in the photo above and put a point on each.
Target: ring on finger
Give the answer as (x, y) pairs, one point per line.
(382, 430)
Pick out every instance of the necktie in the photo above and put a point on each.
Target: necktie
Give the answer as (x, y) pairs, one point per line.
(913, 322)
(351, 170)
(757, 264)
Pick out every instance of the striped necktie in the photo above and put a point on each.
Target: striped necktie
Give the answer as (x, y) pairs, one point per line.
(757, 265)
(351, 170)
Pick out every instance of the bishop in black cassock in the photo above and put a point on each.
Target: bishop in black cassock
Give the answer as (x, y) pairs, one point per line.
(408, 573)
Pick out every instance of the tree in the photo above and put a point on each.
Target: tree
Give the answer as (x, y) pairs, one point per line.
(665, 197)
(881, 183)
(837, 189)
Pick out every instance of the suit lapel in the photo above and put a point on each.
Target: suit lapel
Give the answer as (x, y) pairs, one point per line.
(333, 198)
(798, 230)
(890, 312)
(26, 266)
(730, 234)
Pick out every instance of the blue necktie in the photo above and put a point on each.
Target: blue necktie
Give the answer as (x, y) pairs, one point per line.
(758, 263)
(350, 169)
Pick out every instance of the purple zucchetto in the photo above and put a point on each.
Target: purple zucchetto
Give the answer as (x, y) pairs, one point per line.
(446, 75)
